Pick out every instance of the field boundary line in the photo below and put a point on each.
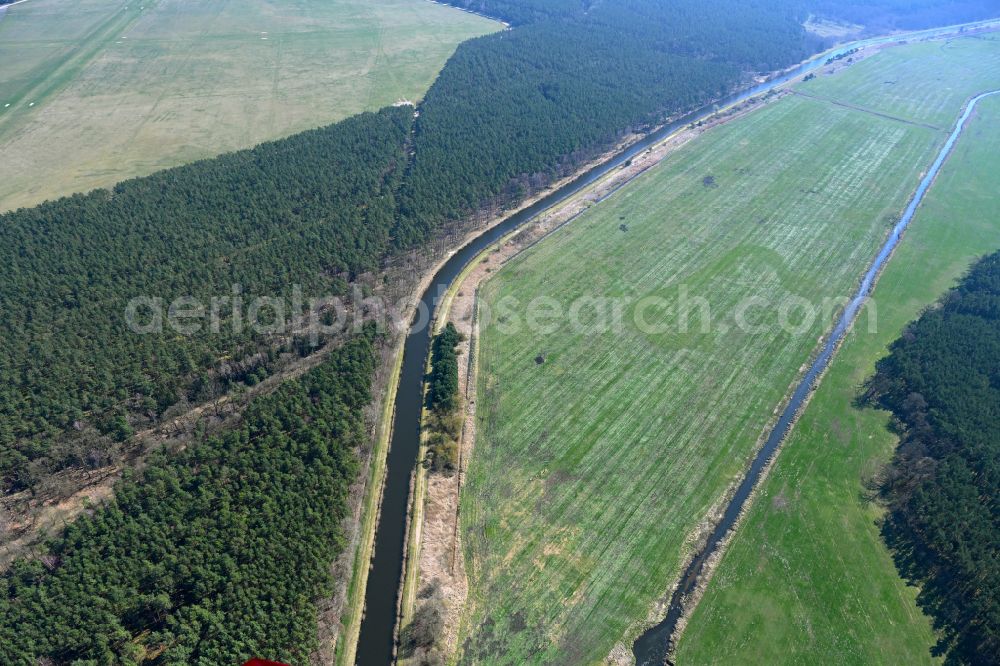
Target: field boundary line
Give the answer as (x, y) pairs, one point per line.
(856, 107)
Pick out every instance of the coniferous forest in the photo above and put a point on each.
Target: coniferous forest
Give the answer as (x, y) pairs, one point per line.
(208, 556)
(941, 381)
(442, 381)
(308, 210)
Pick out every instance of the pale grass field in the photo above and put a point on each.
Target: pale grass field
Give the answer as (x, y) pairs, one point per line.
(926, 82)
(123, 88)
(807, 579)
(591, 469)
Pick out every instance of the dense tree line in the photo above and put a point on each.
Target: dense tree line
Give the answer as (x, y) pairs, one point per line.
(212, 555)
(442, 381)
(941, 381)
(310, 210)
(444, 420)
(520, 12)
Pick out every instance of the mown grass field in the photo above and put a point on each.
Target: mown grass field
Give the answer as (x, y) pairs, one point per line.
(925, 82)
(101, 90)
(593, 468)
(807, 578)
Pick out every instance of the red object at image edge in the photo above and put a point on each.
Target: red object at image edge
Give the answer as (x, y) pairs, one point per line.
(263, 662)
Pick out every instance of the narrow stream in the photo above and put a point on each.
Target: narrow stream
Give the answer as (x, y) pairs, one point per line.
(655, 647)
(376, 642)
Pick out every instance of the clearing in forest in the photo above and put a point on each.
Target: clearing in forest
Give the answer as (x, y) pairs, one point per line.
(593, 468)
(96, 91)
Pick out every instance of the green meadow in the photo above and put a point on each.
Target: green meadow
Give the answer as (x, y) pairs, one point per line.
(807, 578)
(602, 451)
(96, 91)
(926, 82)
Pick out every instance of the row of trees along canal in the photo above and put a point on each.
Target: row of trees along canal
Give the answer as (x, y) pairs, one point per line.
(941, 380)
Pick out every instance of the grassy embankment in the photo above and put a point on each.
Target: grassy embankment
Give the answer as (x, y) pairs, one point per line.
(592, 468)
(353, 613)
(99, 92)
(807, 578)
